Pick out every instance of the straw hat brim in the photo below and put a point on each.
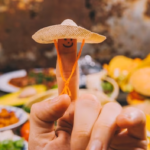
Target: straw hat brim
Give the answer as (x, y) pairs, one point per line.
(49, 34)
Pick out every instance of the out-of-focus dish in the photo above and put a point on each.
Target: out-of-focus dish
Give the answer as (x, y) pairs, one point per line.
(48, 95)
(11, 117)
(46, 77)
(22, 96)
(140, 81)
(101, 82)
(7, 118)
(5, 78)
(9, 141)
(24, 131)
(120, 68)
(13, 81)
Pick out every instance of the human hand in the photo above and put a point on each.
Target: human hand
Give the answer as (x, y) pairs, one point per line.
(85, 125)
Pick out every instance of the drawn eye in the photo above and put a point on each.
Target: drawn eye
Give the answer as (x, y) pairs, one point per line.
(65, 39)
(70, 39)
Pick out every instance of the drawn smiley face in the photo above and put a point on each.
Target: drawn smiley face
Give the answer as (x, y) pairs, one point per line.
(68, 43)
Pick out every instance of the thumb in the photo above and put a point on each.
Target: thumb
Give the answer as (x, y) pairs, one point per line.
(43, 114)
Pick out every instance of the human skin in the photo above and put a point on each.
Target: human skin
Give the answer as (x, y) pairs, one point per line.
(68, 53)
(83, 124)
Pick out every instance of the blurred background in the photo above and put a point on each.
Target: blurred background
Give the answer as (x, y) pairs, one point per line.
(116, 70)
(125, 23)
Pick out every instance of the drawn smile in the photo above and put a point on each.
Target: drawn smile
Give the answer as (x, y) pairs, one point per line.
(67, 45)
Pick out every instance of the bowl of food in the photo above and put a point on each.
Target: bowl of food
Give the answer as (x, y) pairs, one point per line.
(102, 83)
(140, 81)
(15, 80)
(11, 117)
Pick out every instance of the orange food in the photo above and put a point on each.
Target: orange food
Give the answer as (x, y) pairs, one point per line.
(25, 129)
(136, 95)
(7, 118)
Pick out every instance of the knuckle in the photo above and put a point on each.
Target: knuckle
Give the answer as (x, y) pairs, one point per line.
(88, 98)
(112, 106)
(35, 109)
(82, 134)
(105, 124)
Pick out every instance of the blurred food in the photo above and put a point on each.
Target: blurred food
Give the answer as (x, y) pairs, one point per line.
(144, 63)
(120, 68)
(50, 94)
(22, 96)
(36, 76)
(101, 82)
(8, 141)
(28, 92)
(140, 81)
(25, 130)
(13, 116)
(12, 145)
(7, 118)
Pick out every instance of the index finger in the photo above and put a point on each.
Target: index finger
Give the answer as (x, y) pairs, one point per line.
(68, 53)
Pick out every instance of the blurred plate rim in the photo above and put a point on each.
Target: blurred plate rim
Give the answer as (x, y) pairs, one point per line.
(5, 78)
(20, 113)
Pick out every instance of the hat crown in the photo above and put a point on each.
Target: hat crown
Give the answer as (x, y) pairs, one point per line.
(69, 22)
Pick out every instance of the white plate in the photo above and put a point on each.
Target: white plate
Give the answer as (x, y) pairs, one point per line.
(20, 113)
(5, 78)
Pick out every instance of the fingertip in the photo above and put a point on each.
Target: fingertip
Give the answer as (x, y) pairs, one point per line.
(65, 99)
(131, 117)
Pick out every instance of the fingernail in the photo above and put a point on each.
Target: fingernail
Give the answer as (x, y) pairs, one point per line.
(96, 145)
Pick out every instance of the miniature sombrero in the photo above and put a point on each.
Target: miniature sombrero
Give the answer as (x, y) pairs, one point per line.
(67, 29)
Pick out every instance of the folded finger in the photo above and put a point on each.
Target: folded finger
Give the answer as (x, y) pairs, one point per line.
(87, 109)
(134, 120)
(105, 127)
(43, 114)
